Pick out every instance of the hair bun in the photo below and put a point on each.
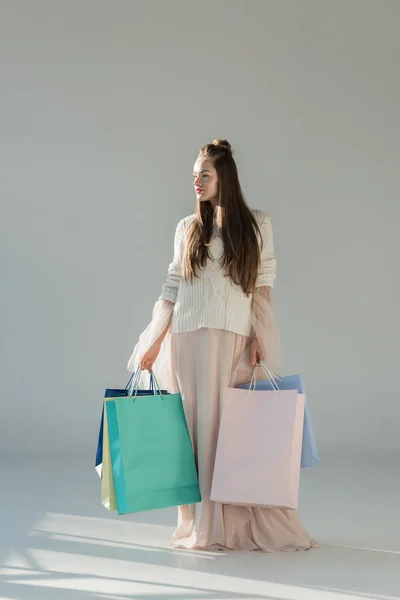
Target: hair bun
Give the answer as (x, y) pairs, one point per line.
(223, 144)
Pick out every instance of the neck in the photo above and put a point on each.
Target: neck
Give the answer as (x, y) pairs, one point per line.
(215, 201)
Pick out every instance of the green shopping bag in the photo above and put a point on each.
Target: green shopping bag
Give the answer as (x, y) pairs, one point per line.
(152, 456)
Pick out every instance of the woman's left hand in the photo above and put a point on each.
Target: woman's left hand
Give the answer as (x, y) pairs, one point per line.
(257, 353)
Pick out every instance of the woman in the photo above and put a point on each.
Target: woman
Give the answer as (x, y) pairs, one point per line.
(214, 308)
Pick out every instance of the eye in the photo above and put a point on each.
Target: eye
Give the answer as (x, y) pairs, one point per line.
(205, 176)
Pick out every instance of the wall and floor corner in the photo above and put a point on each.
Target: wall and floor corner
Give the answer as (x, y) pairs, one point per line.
(103, 106)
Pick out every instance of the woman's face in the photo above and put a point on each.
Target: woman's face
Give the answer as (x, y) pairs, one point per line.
(205, 180)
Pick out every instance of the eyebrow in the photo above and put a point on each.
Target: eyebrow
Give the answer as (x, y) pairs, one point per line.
(203, 171)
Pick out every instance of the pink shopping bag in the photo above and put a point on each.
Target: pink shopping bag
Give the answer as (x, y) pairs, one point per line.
(259, 448)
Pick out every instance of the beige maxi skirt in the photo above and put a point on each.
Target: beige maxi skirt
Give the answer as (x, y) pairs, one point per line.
(204, 362)
(200, 365)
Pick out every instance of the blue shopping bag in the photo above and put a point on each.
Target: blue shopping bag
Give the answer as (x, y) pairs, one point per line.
(152, 458)
(116, 393)
(309, 452)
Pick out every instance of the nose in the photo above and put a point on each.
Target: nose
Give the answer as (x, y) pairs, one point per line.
(197, 182)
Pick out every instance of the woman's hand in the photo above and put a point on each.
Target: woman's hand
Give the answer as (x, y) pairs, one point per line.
(257, 353)
(150, 356)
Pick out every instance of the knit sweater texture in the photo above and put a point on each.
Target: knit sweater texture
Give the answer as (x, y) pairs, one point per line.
(212, 300)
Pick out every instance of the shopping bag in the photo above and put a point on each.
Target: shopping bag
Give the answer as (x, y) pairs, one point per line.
(115, 393)
(309, 451)
(107, 483)
(259, 448)
(152, 456)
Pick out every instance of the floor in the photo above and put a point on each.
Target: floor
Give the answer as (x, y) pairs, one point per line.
(58, 543)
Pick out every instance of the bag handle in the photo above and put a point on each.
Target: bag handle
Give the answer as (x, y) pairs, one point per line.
(128, 385)
(272, 377)
(155, 388)
(134, 382)
(129, 382)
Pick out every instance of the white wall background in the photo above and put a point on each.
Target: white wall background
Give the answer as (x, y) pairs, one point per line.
(104, 105)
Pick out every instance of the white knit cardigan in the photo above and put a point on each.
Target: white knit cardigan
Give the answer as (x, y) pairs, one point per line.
(212, 300)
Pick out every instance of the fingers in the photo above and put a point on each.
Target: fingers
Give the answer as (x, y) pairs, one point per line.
(257, 358)
(146, 365)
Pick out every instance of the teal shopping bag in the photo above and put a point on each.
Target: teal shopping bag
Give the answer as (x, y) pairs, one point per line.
(152, 456)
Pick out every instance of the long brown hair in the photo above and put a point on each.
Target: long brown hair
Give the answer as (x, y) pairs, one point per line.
(239, 229)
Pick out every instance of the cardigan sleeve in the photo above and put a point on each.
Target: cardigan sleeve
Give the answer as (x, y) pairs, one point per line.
(267, 270)
(169, 290)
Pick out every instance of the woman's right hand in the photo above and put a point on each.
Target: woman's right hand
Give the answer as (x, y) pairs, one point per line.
(150, 356)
